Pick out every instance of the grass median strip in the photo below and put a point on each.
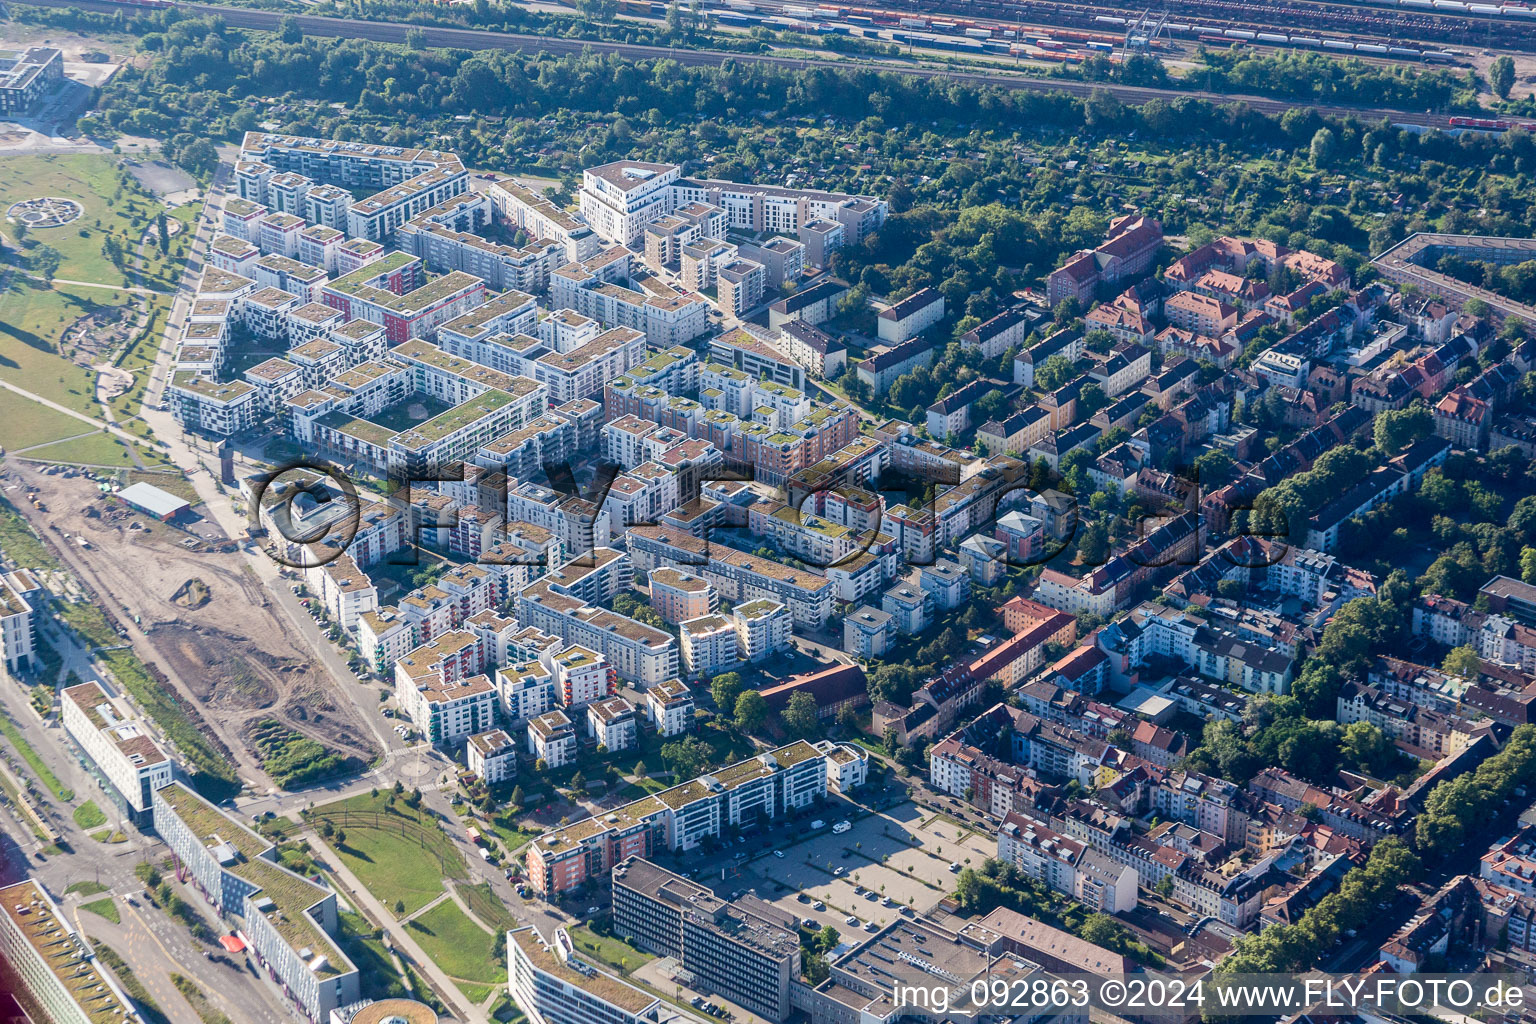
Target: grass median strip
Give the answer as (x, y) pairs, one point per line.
(42, 771)
(148, 1008)
(106, 908)
(199, 1002)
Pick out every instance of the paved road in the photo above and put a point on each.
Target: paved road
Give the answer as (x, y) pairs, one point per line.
(473, 39)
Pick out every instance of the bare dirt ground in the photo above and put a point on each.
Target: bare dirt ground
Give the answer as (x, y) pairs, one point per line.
(231, 647)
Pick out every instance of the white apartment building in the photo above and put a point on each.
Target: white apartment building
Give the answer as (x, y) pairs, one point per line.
(763, 628)
(117, 749)
(552, 738)
(16, 621)
(525, 690)
(492, 756)
(613, 723)
(669, 706)
(709, 645)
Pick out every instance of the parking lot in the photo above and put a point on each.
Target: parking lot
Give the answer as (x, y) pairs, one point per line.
(900, 857)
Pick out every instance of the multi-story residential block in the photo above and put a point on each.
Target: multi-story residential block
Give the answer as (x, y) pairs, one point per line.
(1129, 249)
(763, 628)
(526, 689)
(772, 784)
(1066, 865)
(613, 723)
(709, 645)
(441, 688)
(813, 348)
(17, 630)
(677, 595)
(117, 749)
(669, 707)
(581, 676)
(393, 293)
(868, 631)
(552, 738)
(736, 575)
(904, 320)
(287, 920)
(492, 756)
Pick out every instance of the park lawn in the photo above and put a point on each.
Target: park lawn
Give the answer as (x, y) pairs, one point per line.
(106, 908)
(89, 816)
(33, 318)
(91, 180)
(401, 855)
(619, 955)
(96, 449)
(477, 994)
(487, 907)
(463, 950)
(27, 424)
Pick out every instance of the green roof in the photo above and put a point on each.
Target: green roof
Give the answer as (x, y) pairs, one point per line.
(460, 416)
(291, 894)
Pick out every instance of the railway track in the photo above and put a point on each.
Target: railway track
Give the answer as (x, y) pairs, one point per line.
(477, 39)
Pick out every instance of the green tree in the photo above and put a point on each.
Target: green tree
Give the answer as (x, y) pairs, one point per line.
(1501, 75)
(1053, 373)
(288, 30)
(1367, 747)
(416, 39)
(1463, 662)
(687, 757)
(164, 232)
(1396, 429)
(751, 710)
(800, 715)
(725, 688)
(1324, 145)
(46, 261)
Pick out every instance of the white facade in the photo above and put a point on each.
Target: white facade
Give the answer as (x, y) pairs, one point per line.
(119, 748)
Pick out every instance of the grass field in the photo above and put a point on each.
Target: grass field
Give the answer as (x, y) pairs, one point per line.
(485, 905)
(459, 946)
(89, 816)
(33, 316)
(96, 449)
(32, 319)
(93, 182)
(88, 888)
(25, 424)
(106, 908)
(398, 854)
